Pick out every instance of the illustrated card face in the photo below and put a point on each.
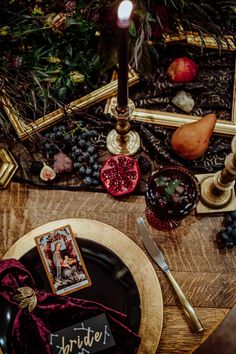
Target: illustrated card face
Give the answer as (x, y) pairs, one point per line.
(62, 261)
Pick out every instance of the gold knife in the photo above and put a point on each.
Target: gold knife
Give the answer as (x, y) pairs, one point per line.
(157, 256)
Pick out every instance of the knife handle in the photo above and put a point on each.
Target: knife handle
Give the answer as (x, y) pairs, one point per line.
(187, 307)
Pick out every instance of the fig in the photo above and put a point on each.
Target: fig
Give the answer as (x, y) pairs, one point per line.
(182, 70)
(62, 163)
(47, 173)
(191, 140)
(120, 175)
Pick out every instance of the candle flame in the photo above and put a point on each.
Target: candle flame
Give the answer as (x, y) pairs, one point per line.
(124, 10)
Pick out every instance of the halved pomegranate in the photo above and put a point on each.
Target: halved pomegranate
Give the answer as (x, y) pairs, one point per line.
(120, 175)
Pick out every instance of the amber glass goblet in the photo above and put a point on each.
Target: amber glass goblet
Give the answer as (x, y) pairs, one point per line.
(171, 194)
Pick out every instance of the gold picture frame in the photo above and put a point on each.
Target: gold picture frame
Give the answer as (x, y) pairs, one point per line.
(8, 167)
(226, 43)
(24, 130)
(167, 119)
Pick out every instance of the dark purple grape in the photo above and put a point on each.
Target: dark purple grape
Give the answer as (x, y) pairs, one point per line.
(59, 134)
(62, 128)
(80, 158)
(229, 229)
(96, 174)
(87, 180)
(78, 152)
(67, 138)
(82, 171)
(224, 235)
(52, 136)
(233, 215)
(48, 146)
(220, 242)
(227, 220)
(91, 149)
(81, 143)
(76, 165)
(144, 164)
(96, 166)
(88, 171)
(229, 244)
(85, 135)
(94, 133)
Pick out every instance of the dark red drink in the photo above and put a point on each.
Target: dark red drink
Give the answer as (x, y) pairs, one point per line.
(171, 193)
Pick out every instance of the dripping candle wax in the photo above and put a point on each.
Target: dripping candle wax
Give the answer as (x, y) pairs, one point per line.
(123, 20)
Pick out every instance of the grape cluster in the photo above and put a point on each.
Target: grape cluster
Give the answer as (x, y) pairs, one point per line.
(56, 138)
(85, 158)
(226, 237)
(78, 142)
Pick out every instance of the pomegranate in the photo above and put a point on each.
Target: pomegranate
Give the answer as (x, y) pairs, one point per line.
(120, 175)
(182, 70)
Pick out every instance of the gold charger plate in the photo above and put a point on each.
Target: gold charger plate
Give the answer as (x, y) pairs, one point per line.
(133, 257)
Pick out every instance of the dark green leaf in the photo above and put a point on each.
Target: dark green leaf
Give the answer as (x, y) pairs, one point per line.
(132, 29)
(62, 93)
(69, 50)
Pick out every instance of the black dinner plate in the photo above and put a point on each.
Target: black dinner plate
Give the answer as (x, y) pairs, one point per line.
(113, 284)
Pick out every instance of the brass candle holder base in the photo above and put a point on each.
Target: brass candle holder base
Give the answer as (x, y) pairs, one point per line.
(123, 140)
(214, 201)
(217, 190)
(123, 144)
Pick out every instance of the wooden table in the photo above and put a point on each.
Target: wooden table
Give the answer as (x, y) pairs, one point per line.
(206, 274)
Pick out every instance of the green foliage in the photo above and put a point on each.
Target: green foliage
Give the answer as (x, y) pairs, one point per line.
(51, 56)
(52, 52)
(168, 184)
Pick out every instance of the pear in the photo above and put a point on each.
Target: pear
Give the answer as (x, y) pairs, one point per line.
(191, 140)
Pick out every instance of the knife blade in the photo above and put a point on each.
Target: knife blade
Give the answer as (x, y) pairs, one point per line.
(155, 252)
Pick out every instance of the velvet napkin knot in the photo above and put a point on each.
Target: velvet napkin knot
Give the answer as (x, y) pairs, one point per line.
(29, 331)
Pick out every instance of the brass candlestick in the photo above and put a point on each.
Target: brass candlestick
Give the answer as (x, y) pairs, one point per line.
(123, 140)
(217, 190)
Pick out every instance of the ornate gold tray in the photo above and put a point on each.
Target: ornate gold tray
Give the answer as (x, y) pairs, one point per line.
(8, 167)
(134, 258)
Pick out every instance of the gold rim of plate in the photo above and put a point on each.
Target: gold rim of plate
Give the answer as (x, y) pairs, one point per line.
(135, 259)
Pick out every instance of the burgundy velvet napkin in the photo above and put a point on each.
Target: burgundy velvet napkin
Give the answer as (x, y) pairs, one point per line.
(30, 330)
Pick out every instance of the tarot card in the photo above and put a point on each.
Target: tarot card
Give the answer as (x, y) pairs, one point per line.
(62, 261)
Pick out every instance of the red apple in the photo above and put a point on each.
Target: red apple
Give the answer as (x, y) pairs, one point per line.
(182, 70)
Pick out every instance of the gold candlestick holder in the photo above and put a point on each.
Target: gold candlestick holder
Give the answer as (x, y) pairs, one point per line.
(217, 190)
(123, 140)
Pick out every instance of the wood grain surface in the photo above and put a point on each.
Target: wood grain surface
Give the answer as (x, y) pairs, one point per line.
(206, 274)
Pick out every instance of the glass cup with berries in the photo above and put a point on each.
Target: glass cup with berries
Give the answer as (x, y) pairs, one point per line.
(172, 192)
